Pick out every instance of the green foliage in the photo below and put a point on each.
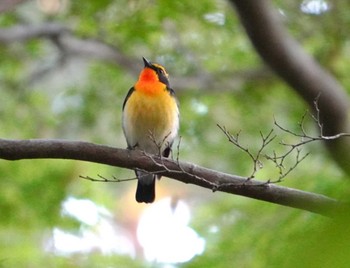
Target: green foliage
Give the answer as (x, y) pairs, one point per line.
(83, 101)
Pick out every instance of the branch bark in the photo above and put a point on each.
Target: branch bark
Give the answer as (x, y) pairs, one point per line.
(288, 60)
(181, 171)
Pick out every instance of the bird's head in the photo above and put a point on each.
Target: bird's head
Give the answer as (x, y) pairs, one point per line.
(153, 72)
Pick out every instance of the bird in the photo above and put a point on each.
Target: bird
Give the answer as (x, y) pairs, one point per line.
(150, 121)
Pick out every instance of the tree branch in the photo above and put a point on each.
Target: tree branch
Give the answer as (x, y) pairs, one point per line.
(288, 60)
(65, 40)
(6, 5)
(181, 171)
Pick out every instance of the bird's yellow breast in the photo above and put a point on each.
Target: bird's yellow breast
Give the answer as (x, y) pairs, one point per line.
(150, 116)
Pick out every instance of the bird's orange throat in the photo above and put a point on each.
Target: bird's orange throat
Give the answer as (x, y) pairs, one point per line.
(149, 83)
(148, 75)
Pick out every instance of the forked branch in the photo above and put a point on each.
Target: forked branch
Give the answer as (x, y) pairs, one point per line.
(279, 160)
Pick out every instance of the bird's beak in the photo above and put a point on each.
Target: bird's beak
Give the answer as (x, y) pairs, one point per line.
(146, 62)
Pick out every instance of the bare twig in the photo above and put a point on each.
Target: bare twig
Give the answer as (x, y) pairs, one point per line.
(280, 159)
(104, 179)
(160, 145)
(178, 149)
(179, 170)
(256, 158)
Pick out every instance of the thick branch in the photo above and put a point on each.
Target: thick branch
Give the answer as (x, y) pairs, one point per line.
(287, 58)
(182, 171)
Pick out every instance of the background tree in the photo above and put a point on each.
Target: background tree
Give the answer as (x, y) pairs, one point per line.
(66, 68)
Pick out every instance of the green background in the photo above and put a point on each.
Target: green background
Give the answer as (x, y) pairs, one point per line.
(218, 79)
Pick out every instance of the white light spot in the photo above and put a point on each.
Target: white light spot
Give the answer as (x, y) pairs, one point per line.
(164, 233)
(98, 232)
(214, 229)
(216, 18)
(314, 7)
(83, 210)
(199, 107)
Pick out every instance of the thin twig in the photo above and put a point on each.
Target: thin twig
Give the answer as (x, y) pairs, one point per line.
(256, 158)
(104, 179)
(280, 159)
(178, 149)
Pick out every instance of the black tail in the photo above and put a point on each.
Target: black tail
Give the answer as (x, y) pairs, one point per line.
(146, 188)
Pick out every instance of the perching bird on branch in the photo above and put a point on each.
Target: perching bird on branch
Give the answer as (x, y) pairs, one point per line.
(150, 121)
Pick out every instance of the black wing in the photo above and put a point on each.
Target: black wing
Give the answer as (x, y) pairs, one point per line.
(171, 91)
(131, 90)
